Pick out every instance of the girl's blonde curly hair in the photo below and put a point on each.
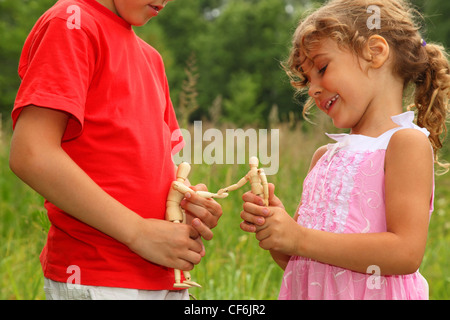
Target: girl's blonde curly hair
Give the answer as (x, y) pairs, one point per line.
(425, 66)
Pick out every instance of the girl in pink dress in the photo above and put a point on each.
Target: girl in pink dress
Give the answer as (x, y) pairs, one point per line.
(360, 230)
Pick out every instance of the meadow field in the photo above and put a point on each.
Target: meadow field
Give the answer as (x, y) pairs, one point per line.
(234, 267)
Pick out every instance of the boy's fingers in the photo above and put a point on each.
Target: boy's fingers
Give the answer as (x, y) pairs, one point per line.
(202, 229)
(207, 210)
(193, 233)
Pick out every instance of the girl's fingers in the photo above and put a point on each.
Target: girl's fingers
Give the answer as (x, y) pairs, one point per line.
(252, 218)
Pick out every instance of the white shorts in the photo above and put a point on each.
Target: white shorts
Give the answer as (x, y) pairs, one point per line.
(65, 291)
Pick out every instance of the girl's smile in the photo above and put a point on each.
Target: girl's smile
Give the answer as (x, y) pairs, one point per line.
(328, 104)
(350, 90)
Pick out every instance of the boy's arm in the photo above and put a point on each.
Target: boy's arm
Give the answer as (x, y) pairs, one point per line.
(39, 160)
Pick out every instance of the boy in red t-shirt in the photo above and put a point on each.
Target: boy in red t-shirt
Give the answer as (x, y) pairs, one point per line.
(93, 125)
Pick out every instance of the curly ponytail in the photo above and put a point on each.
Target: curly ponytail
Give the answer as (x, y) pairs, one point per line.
(432, 92)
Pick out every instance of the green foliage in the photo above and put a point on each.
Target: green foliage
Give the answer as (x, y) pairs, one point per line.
(234, 41)
(23, 229)
(242, 107)
(188, 96)
(247, 40)
(16, 20)
(438, 22)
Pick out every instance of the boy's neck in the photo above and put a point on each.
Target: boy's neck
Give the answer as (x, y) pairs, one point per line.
(109, 4)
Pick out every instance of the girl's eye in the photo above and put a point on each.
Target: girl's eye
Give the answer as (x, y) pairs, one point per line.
(322, 71)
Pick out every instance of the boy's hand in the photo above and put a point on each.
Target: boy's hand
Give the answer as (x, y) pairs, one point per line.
(169, 244)
(159, 241)
(202, 213)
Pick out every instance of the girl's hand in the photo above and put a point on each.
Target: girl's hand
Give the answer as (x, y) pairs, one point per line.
(252, 220)
(274, 227)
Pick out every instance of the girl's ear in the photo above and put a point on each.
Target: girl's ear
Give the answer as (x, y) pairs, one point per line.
(377, 51)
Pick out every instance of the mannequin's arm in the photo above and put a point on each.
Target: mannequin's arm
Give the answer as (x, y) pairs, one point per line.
(235, 186)
(180, 187)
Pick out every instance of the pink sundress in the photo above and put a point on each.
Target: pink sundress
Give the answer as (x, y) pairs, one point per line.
(344, 193)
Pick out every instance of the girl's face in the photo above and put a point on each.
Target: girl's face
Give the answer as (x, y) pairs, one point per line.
(339, 85)
(135, 12)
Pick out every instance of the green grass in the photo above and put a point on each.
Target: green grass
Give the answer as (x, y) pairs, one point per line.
(23, 225)
(436, 263)
(234, 267)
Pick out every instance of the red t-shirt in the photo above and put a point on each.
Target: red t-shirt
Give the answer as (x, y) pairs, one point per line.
(114, 87)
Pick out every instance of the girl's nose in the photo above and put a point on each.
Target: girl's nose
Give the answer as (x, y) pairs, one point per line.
(314, 91)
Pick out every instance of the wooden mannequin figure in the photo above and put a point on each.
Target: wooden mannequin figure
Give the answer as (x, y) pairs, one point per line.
(175, 214)
(258, 182)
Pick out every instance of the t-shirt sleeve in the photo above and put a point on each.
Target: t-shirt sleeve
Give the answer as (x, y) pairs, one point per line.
(56, 68)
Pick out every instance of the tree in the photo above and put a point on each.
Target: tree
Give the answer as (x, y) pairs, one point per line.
(437, 21)
(243, 108)
(238, 45)
(16, 20)
(247, 38)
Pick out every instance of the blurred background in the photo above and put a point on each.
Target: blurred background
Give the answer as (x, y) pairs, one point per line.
(222, 60)
(232, 50)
